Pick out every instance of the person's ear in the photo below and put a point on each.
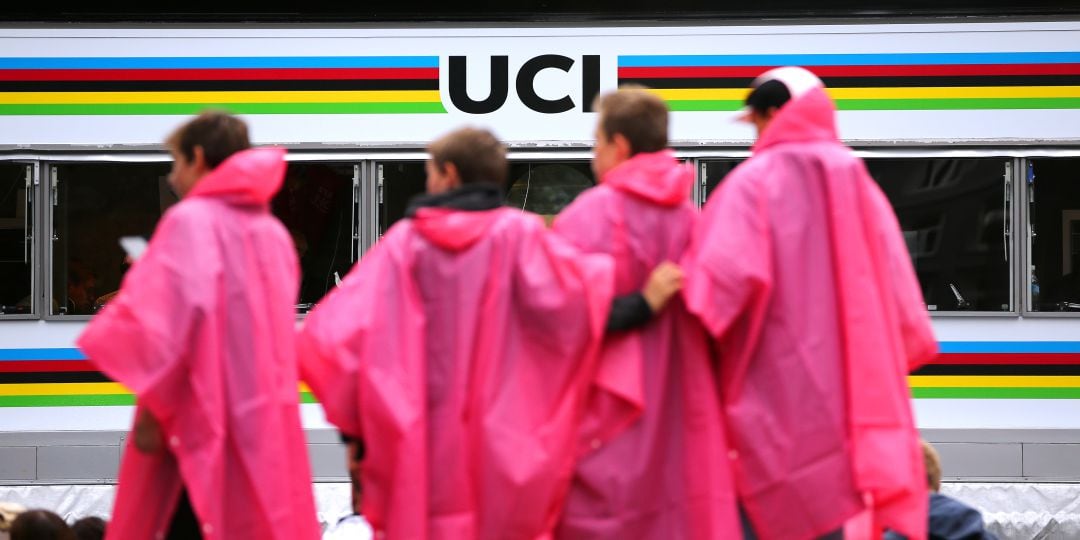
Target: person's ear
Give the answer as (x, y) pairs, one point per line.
(453, 177)
(198, 158)
(622, 146)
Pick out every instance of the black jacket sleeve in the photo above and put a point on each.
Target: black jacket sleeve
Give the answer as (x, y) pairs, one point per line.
(628, 312)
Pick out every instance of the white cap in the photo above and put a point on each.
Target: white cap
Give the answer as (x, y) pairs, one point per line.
(797, 80)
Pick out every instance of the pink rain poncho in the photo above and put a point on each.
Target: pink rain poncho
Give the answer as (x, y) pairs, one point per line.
(665, 476)
(203, 333)
(800, 271)
(460, 349)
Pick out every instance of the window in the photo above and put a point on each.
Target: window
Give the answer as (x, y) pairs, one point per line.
(713, 173)
(15, 238)
(98, 203)
(955, 217)
(94, 205)
(546, 187)
(399, 182)
(1054, 229)
(316, 205)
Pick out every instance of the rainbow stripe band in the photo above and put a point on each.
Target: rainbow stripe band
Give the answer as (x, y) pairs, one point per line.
(868, 82)
(243, 85)
(965, 370)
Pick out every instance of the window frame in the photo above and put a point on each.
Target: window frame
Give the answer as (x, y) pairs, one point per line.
(45, 193)
(32, 204)
(1012, 177)
(366, 188)
(1025, 226)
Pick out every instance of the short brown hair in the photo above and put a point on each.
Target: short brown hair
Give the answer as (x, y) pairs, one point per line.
(40, 524)
(638, 115)
(476, 153)
(933, 466)
(219, 133)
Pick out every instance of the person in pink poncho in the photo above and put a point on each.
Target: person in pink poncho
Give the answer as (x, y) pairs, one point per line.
(202, 332)
(664, 475)
(460, 350)
(799, 270)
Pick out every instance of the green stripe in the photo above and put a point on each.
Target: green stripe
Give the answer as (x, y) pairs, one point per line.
(705, 104)
(994, 393)
(90, 400)
(70, 400)
(722, 105)
(236, 108)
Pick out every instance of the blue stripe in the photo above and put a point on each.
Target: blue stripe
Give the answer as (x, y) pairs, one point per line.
(1003, 347)
(897, 59)
(223, 62)
(1006, 347)
(41, 354)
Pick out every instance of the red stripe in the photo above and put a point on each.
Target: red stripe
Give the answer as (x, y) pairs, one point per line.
(853, 71)
(31, 366)
(1008, 358)
(274, 74)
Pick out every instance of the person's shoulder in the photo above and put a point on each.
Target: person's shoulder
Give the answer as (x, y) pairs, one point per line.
(187, 218)
(945, 505)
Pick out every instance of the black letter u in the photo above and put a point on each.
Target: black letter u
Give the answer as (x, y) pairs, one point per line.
(500, 86)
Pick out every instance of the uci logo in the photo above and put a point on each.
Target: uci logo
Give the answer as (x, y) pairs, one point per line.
(525, 84)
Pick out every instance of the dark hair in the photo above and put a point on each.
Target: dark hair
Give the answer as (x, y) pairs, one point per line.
(476, 153)
(220, 135)
(767, 95)
(89, 528)
(638, 115)
(40, 525)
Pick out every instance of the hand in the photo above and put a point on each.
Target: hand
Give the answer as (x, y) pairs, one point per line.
(147, 433)
(666, 280)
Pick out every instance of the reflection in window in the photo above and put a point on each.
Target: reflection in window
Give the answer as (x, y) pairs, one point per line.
(401, 181)
(954, 216)
(15, 244)
(315, 205)
(96, 205)
(546, 187)
(1055, 226)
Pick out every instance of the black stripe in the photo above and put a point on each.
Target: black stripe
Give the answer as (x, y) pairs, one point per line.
(206, 86)
(999, 369)
(870, 82)
(53, 377)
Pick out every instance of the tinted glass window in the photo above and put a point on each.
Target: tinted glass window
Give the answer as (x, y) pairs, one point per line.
(15, 240)
(1054, 215)
(954, 216)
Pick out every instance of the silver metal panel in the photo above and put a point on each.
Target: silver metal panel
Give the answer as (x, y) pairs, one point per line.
(935, 436)
(78, 463)
(984, 460)
(328, 462)
(1051, 460)
(18, 463)
(61, 438)
(322, 436)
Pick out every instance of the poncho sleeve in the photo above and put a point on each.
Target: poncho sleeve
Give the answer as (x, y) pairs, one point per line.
(144, 335)
(729, 266)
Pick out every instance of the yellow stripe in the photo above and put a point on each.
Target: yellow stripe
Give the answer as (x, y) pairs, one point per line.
(994, 381)
(298, 96)
(65, 389)
(694, 94)
(61, 389)
(960, 92)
